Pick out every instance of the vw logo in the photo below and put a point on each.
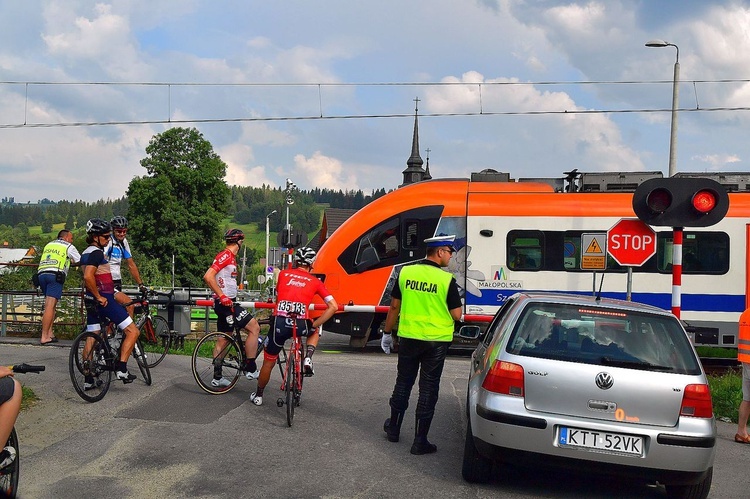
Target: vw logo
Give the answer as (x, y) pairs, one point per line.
(604, 381)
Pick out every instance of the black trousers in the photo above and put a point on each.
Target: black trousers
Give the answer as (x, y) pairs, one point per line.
(425, 358)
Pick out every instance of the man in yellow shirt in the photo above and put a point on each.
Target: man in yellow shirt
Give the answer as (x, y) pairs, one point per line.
(428, 302)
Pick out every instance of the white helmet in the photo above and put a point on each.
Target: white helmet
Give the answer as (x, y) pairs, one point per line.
(304, 256)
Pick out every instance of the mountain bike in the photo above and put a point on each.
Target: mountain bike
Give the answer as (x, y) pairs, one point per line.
(292, 376)
(93, 359)
(9, 473)
(222, 353)
(155, 335)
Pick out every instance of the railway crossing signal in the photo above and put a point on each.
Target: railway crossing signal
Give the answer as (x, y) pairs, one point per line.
(680, 202)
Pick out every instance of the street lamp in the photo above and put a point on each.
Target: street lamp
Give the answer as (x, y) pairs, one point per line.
(267, 236)
(675, 89)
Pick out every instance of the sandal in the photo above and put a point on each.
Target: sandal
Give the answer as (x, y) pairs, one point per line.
(742, 440)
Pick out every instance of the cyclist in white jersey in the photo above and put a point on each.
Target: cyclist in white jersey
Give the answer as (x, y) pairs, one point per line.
(116, 251)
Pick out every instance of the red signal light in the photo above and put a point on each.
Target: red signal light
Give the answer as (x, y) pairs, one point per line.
(704, 201)
(659, 200)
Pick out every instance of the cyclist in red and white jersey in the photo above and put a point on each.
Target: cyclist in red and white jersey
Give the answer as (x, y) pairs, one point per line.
(221, 277)
(296, 289)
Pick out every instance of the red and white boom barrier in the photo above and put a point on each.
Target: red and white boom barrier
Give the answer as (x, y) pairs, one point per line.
(371, 309)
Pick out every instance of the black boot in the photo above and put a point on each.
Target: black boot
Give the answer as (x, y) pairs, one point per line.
(421, 445)
(392, 425)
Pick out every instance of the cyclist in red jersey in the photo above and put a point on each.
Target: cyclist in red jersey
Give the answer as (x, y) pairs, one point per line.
(296, 289)
(221, 277)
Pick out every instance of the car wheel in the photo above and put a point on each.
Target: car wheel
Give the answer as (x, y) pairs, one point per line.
(476, 468)
(697, 491)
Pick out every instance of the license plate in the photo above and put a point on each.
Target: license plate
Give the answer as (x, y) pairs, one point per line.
(601, 441)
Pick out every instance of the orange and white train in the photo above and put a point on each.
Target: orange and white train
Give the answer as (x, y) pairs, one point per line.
(527, 235)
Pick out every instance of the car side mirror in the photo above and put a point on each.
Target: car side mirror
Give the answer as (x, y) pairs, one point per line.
(470, 332)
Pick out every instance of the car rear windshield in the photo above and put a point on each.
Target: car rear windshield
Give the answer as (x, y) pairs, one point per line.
(603, 336)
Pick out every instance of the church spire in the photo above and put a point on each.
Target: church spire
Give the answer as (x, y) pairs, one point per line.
(414, 172)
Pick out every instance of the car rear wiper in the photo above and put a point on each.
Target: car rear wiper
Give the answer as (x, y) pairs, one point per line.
(638, 364)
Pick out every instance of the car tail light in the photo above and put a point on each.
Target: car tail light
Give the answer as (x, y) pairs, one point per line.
(696, 402)
(505, 378)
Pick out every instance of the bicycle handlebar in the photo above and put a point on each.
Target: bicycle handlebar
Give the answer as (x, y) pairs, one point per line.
(26, 368)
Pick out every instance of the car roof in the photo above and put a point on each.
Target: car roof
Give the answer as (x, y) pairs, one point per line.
(588, 300)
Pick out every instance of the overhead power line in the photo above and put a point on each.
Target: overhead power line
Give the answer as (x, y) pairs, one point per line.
(324, 116)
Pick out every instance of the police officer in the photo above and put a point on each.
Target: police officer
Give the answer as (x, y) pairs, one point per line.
(428, 301)
(53, 269)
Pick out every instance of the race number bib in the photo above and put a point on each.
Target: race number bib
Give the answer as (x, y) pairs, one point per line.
(286, 307)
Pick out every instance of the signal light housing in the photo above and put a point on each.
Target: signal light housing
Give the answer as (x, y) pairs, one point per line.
(681, 202)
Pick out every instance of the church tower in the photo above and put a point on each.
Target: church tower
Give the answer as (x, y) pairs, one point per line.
(414, 171)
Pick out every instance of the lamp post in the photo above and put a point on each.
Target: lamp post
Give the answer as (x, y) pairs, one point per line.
(290, 186)
(267, 236)
(675, 100)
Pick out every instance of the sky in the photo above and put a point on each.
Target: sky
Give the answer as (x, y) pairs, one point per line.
(324, 92)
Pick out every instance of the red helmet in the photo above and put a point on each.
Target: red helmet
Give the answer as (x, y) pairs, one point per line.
(234, 236)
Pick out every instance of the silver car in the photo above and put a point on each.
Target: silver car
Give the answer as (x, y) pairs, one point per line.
(601, 385)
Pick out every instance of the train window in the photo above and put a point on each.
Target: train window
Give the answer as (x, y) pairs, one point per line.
(381, 243)
(385, 244)
(525, 249)
(571, 251)
(411, 234)
(702, 252)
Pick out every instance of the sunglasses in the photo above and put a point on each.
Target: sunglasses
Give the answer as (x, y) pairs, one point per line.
(106, 236)
(121, 231)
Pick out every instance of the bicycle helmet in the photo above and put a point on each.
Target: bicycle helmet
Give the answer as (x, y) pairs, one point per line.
(98, 226)
(119, 222)
(234, 235)
(304, 256)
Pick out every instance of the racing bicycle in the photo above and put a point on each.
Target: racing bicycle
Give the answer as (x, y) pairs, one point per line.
(224, 352)
(155, 334)
(292, 375)
(9, 473)
(93, 359)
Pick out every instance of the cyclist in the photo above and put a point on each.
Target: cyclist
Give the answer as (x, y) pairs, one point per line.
(100, 295)
(221, 277)
(10, 406)
(296, 289)
(116, 251)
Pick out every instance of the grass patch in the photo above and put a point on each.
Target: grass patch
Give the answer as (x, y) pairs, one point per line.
(726, 392)
(29, 398)
(716, 352)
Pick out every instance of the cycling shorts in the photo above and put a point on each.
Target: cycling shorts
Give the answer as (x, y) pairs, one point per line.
(118, 284)
(115, 312)
(281, 330)
(7, 388)
(241, 317)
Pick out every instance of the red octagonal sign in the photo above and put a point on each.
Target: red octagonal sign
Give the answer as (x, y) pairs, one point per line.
(631, 242)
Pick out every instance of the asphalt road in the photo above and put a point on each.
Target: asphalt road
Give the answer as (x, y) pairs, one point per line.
(173, 440)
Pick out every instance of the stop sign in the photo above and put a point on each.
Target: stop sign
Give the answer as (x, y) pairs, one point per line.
(631, 242)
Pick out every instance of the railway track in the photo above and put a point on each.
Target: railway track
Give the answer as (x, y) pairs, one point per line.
(715, 366)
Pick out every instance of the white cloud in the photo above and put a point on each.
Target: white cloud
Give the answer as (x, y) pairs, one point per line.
(717, 162)
(592, 137)
(324, 172)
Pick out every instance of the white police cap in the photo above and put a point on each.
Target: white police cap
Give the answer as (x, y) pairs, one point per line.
(442, 240)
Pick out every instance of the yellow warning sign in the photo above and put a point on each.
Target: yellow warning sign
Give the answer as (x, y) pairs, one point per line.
(594, 257)
(594, 247)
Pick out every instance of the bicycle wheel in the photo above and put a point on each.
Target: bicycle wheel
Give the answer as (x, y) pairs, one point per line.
(9, 474)
(156, 338)
(140, 358)
(217, 354)
(291, 383)
(90, 366)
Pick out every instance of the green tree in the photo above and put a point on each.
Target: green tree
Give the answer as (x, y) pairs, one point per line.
(177, 207)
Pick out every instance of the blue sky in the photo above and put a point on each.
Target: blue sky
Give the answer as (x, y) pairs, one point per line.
(250, 61)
